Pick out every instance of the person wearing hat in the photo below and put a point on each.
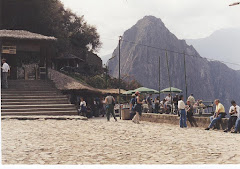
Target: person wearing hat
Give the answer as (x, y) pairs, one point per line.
(132, 104)
(5, 69)
(138, 108)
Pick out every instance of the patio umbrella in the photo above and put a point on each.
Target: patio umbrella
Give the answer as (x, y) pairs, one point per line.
(129, 92)
(146, 90)
(173, 90)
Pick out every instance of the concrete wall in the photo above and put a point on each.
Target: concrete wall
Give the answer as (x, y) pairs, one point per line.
(173, 119)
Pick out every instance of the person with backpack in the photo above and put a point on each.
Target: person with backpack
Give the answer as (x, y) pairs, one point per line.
(137, 108)
(110, 102)
(132, 103)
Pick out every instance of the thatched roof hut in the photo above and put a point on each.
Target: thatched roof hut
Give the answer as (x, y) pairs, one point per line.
(24, 35)
(67, 83)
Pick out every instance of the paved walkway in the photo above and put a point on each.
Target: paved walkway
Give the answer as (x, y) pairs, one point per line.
(99, 142)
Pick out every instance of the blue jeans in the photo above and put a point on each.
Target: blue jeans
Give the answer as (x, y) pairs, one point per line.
(183, 118)
(237, 125)
(214, 120)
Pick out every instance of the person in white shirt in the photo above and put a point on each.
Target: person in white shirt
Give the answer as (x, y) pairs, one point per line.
(183, 117)
(237, 124)
(233, 111)
(5, 69)
(168, 98)
(83, 107)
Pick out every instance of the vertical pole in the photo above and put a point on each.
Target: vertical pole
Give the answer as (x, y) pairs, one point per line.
(185, 70)
(1, 27)
(106, 76)
(169, 81)
(159, 74)
(1, 14)
(119, 80)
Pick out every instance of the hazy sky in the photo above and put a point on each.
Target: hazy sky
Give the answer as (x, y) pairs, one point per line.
(187, 19)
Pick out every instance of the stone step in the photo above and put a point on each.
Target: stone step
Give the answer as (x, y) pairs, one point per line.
(30, 91)
(41, 113)
(26, 88)
(34, 100)
(3, 107)
(39, 109)
(30, 82)
(31, 94)
(33, 97)
(39, 102)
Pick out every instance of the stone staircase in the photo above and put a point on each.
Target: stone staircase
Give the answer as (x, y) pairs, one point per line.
(34, 97)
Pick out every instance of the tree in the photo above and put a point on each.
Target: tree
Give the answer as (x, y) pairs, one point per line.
(49, 17)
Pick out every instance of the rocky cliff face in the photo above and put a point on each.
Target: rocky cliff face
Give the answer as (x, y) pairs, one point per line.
(207, 80)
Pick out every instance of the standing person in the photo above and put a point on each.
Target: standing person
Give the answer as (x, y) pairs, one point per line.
(149, 102)
(233, 111)
(175, 101)
(138, 108)
(132, 104)
(157, 102)
(191, 99)
(219, 114)
(190, 117)
(83, 107)
(181, 107)
(5, 70)
(110, 101)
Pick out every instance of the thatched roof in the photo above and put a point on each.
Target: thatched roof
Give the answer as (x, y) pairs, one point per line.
(64, 82)
(112, 91)
(68, 56)
(22, 34)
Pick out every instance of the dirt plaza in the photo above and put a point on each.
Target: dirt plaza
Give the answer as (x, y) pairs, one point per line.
(97, 141)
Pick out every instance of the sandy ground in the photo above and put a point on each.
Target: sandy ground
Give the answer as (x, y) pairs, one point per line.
(97, 141)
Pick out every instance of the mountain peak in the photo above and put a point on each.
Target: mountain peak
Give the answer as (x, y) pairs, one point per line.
(150, 20)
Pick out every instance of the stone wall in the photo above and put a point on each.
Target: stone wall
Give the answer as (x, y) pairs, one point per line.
(173, 119)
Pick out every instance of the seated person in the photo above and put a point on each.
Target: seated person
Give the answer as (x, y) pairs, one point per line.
(219, 114)
(145, 106)
(201, 107)
(233, 111)
(163, 106)
(237, 125)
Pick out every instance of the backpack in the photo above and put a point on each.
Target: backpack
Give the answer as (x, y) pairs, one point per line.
(135, 104)
(113, 102)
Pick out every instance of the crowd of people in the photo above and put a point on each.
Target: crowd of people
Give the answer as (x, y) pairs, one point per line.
(184, 110)
(100, 107)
